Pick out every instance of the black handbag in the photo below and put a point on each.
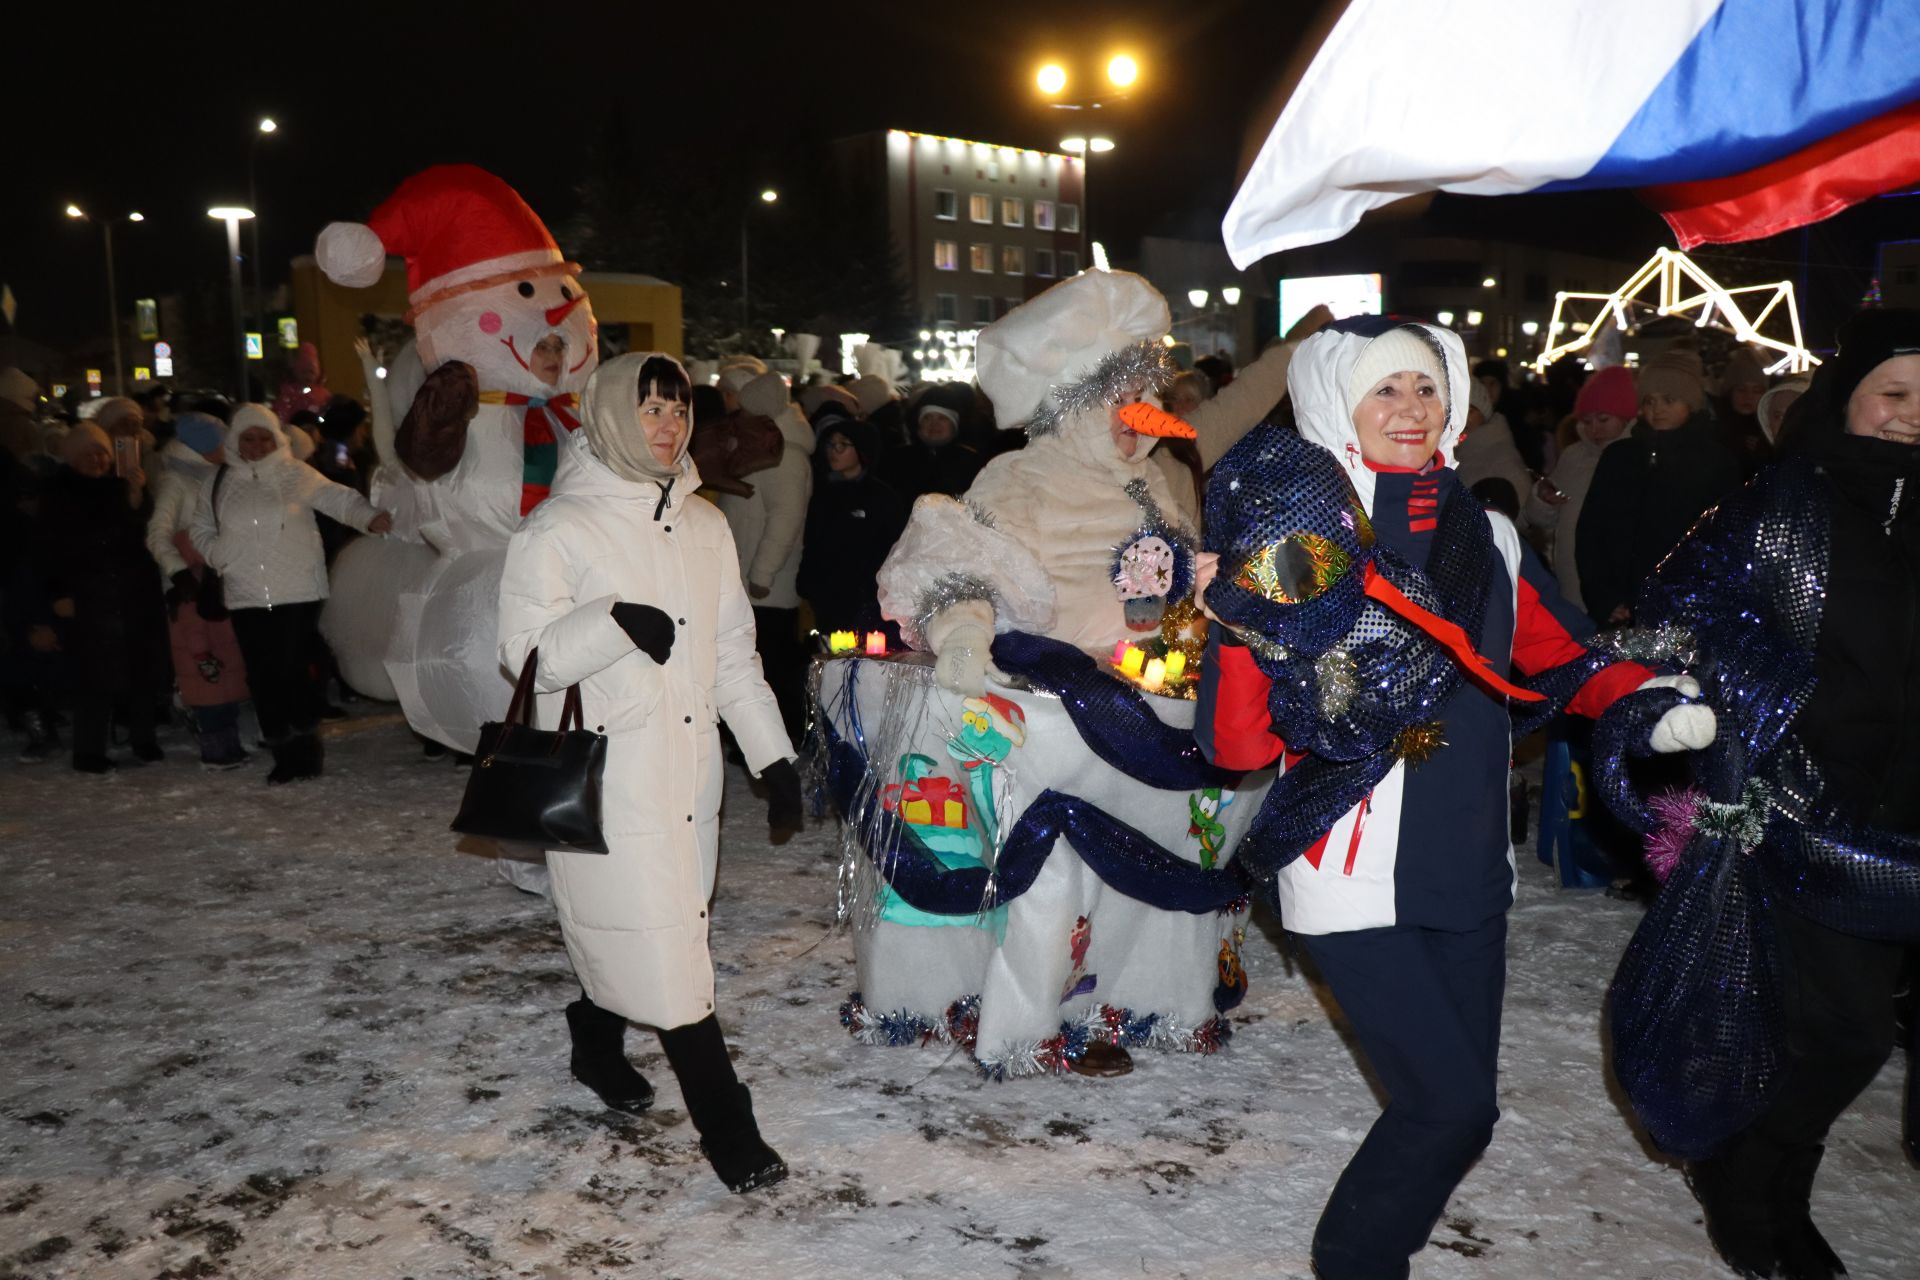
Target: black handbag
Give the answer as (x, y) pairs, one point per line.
(532, 786)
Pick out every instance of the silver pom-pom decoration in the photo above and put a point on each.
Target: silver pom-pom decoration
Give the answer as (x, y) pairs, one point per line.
(1334, 679)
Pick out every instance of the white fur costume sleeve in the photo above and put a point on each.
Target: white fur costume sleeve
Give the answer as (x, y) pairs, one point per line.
(949, 554)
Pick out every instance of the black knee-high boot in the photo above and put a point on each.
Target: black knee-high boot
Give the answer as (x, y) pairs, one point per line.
(721, 1107)
(599, 1058)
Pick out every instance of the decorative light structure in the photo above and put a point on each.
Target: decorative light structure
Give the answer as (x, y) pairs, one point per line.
(1672, 284)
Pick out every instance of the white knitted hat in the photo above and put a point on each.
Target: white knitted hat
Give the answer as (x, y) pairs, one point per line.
(1395, 351)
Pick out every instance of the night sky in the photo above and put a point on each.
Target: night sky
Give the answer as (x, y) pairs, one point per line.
(115, 114)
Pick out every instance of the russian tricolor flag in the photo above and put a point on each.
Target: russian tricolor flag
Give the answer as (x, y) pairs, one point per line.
(1736, 118)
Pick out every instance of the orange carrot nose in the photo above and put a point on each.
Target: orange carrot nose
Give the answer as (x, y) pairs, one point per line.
(556, 314)
(1149, 421)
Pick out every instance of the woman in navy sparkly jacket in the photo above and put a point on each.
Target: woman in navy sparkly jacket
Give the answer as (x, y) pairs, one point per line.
(1756, 1000)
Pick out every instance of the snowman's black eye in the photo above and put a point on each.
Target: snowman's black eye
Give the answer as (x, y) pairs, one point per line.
(566, 294)
(526, 289)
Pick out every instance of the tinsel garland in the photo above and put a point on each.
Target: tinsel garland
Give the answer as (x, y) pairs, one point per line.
(1101, 1024)
(1117, 379)
(1668, 643)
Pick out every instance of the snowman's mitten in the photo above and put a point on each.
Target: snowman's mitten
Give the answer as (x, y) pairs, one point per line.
(434, 433)
(1688, 727)
(961, 636)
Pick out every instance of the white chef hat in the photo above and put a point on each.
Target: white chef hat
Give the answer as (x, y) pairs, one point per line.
(1030, 359)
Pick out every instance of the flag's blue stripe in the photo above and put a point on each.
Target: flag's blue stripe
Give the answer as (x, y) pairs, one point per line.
(1761, 80)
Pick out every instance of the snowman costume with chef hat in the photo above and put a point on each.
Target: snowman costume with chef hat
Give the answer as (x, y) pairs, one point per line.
(1108, 917)
(507, 340)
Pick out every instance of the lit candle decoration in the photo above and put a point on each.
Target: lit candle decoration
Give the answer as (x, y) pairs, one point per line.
(1176, 665)
(842, 642)
(876, 644)
(1120, 652)
(1131, 664)
(1155, 676)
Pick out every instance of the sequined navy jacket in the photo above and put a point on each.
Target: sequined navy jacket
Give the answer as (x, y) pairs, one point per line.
(1429, 845)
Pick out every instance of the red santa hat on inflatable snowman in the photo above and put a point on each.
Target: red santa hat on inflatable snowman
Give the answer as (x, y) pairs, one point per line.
(460, 228)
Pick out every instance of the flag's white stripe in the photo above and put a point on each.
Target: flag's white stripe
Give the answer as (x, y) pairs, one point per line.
(1487, 97)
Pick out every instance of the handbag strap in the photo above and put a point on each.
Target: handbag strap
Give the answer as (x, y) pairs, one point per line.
(523, 690)
(572, 715)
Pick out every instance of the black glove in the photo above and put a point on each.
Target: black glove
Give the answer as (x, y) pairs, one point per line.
(650, 630)
(185, 588)
(783, 800)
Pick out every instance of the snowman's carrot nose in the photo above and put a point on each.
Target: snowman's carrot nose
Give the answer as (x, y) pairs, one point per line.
(556, 314)
(1149, 421)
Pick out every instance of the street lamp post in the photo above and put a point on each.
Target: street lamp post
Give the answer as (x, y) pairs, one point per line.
(768, 196)
(266, 126)
(233, 216)
(1086, 149)
(78, 214)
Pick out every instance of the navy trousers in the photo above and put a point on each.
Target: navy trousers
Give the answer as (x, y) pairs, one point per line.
(1425, 1006)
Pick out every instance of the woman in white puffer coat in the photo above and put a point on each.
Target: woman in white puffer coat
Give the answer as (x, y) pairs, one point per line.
(255, 526)
(628, 585)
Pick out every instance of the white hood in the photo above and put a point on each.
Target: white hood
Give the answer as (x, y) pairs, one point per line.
(246, 417)
(1317, 382)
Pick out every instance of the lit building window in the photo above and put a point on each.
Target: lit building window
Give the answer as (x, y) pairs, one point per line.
(946, 204)
(980, 208)
(1013, 211)
(1013, 260)
(1043, 215)
(1069, 217)
(946, 307)
(981, 256)
(946, 255)
(983, 310)
(1043, 261)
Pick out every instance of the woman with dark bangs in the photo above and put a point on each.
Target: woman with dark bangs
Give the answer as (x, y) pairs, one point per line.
(628, 586)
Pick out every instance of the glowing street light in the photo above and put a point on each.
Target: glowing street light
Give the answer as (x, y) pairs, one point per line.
(267, 125)
(1445, 318)
(136, 216)
(1530, 327)
(1051, 78)
(1099, 146)
(770, 196)
(78, 214)
(1074, 146)
(1198, 297)
(1489, 282)
(233, 215)
(1473, 319)
(1123, 71)
(1230, 295)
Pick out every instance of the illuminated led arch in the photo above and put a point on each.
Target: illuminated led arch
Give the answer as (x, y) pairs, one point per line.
(1672, 284)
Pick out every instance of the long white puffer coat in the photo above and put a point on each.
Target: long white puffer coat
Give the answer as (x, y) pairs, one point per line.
(635, 919)
(263, 538)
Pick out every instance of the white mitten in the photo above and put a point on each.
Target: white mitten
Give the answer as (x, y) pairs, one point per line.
(1686, 686)
(1684, 728)
(962, 640)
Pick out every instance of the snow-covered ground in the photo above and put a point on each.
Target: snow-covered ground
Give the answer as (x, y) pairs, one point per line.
(293, 1032)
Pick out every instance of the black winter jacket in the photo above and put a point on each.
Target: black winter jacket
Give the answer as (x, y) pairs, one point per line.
(1648, 490)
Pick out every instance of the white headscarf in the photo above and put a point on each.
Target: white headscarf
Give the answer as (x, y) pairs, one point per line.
(610, 415)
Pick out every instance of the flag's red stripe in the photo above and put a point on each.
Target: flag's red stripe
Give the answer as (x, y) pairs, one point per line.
(1856, 164)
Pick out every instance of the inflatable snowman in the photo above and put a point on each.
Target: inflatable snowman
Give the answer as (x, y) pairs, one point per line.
(1035, 846)
(506, 340)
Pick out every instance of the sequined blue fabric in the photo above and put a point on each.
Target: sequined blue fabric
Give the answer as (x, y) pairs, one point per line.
(1695, 1005)
(1112, 716)
(1124, 859)
(1270, 486)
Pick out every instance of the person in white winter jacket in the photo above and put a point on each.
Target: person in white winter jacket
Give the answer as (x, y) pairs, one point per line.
(625, 583)
(768, 529)
(254, 523)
